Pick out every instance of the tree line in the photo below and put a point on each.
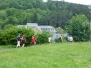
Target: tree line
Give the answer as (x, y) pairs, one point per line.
(55, 13)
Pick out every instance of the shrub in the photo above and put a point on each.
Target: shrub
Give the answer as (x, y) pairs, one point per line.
(42, 38)
(8, 36)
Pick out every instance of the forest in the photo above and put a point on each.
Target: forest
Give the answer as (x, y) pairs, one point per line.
(54, 13)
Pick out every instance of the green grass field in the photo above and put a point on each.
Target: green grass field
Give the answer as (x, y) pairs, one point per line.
(56, 55)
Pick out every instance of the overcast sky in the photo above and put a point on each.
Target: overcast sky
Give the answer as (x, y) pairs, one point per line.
(85, 2)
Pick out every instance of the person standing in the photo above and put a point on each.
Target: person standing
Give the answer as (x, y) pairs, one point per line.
(23, 40)
(18, 40)
(33, 40)
(49, 39)
(70, 39)
(61, 38)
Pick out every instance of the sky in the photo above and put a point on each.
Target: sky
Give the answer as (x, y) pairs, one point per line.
(84, 2)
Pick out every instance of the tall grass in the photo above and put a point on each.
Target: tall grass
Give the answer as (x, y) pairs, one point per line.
(56, 55)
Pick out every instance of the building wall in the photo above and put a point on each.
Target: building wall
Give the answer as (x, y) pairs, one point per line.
(35, 26)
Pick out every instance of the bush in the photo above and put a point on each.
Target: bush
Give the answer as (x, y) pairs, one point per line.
(42, 38)
(8, 36)
(57, 40)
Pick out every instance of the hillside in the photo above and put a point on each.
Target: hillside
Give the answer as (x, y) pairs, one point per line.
(55, 13)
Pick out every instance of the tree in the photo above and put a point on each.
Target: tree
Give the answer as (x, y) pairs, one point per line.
(35, 18)
(3, 14)
(59, 30)
(78, 28)
(53, 12)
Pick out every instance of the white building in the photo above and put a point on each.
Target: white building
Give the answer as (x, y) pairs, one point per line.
(49, 29)
(37, 28)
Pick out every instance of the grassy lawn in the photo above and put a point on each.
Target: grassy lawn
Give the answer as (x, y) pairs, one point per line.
(56, 55)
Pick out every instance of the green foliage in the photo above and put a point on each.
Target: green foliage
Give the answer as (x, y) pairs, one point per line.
(57, 40)
(59, 30)
(42, 38)
(54, 13)
(27, 32)
(9, 33)
(8, 36)
(79, 28)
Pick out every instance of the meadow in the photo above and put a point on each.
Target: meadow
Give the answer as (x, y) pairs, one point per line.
(55, 55)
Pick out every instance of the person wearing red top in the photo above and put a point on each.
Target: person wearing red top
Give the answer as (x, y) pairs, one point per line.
(23, 40)
(33, 40)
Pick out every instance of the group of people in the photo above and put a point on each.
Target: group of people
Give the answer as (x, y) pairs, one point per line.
(33, 40)
(70, 38)
(23, 40)
(50, 39)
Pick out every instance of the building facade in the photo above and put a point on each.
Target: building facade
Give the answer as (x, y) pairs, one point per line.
(37, 28)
